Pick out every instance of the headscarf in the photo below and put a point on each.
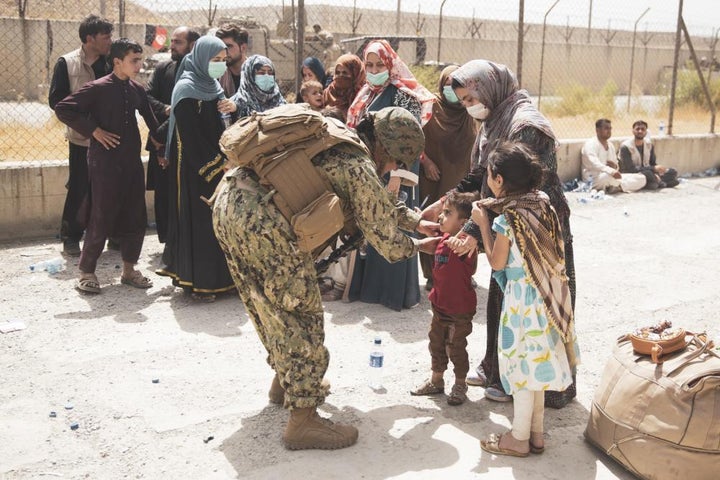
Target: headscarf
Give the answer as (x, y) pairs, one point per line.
(317, 68)
(192, 78)
(537, 231)
(510, 108)
(450, 126)
(399, 75)
(342, 98)
(249, 97)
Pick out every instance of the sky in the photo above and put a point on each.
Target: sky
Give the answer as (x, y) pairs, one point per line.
(701, 16)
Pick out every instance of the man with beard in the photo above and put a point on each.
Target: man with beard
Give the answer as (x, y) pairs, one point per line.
(236, 40)
(159, 91)
(71, 72)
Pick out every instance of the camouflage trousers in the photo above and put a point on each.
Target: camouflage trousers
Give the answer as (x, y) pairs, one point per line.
(278, 285)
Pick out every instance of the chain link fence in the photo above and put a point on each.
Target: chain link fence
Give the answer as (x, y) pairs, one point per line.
(622, 70)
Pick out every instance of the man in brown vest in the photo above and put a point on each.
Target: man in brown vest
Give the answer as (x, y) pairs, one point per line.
(72, 71)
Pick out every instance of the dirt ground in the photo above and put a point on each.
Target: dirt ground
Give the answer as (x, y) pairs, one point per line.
(640, 258)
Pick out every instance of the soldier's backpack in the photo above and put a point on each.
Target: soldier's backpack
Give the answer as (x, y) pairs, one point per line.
(278, 146)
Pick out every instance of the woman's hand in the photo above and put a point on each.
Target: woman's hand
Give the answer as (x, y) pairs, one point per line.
(226, 106)
(462, 244)
(432, 172)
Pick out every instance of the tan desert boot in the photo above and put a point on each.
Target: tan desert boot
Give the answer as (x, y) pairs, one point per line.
(308, 430)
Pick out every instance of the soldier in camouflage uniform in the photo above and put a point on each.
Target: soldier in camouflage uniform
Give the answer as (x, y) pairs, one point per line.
(278, 283)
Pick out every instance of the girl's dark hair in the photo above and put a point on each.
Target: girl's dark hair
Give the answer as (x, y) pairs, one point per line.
(519, 167)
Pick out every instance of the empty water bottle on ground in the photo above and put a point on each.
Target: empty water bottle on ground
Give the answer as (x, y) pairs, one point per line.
(53, 265)
(226, 119)
(377, 359)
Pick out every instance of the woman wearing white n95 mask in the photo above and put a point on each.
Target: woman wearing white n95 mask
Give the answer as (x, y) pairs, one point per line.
(490, 92)
(258, 90)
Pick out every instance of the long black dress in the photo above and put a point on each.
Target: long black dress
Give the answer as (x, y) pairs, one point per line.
(192, 255)
(375, 280)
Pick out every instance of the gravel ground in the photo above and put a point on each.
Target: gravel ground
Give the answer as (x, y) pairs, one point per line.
(641, 258)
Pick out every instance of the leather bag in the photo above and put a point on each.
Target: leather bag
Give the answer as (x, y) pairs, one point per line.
(660, 421)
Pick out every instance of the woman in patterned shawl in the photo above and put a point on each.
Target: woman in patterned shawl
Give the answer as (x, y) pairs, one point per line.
(258, 89)
(490, 92)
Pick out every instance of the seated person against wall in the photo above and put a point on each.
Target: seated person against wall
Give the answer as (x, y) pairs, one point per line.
(600, 166)
(637, 155)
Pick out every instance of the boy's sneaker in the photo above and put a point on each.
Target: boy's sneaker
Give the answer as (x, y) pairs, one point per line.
(477, 378)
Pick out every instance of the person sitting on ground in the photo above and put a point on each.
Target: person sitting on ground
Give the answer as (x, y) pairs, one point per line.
(453, 302)
(637, 155)
(599, 163)
(311, 92)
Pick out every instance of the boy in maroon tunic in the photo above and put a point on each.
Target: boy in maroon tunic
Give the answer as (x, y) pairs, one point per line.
(453, 302)
(105, 111)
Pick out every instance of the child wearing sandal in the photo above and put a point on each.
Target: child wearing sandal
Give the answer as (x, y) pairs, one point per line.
(536, 342)
(453, 302)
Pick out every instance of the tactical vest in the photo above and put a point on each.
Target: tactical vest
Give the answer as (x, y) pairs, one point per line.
(278, 145)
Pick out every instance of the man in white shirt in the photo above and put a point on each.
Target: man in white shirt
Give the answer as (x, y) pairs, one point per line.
(600, 166)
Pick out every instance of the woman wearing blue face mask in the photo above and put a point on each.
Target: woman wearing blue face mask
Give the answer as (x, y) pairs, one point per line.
(389, 83)
(449, 138)
(258, 89)
(192, 255)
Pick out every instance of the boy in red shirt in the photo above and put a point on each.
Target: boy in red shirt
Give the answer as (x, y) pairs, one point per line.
(453, 302)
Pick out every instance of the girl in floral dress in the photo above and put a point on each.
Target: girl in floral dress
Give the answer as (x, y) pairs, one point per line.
(536, 340)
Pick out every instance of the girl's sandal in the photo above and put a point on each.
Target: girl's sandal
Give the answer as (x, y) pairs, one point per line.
(492, 445)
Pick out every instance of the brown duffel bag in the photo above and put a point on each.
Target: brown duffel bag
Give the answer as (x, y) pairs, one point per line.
(660, 421)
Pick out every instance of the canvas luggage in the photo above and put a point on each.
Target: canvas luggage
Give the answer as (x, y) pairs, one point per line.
(660, 421)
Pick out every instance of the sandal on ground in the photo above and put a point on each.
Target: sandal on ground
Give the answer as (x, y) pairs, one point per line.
(88, 284)
(458, 395)
(136, 280)
(203, 297)
(428, 388)
(492, 445)
(536, 449)
(477, 378)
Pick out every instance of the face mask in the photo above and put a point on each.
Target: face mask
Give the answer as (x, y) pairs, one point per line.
(478, 111)
(449, 94)
(377, 79)
(265, 82)
(216, 69)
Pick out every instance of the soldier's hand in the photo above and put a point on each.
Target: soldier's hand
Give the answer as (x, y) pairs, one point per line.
(432, 212)
(428, 228)
(428, 244)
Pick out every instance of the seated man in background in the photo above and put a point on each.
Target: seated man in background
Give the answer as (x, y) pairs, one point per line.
(637, 155)
(599, 163)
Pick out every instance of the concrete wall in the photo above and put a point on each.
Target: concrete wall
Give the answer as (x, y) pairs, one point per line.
(32, 195)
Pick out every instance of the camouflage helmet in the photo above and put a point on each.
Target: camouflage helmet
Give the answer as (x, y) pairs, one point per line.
(399, 133)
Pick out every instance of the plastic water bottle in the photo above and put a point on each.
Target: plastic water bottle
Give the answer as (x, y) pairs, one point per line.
(661, 129)
(377, 358)
(590, 182)
(54, 265)
(226, 120)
